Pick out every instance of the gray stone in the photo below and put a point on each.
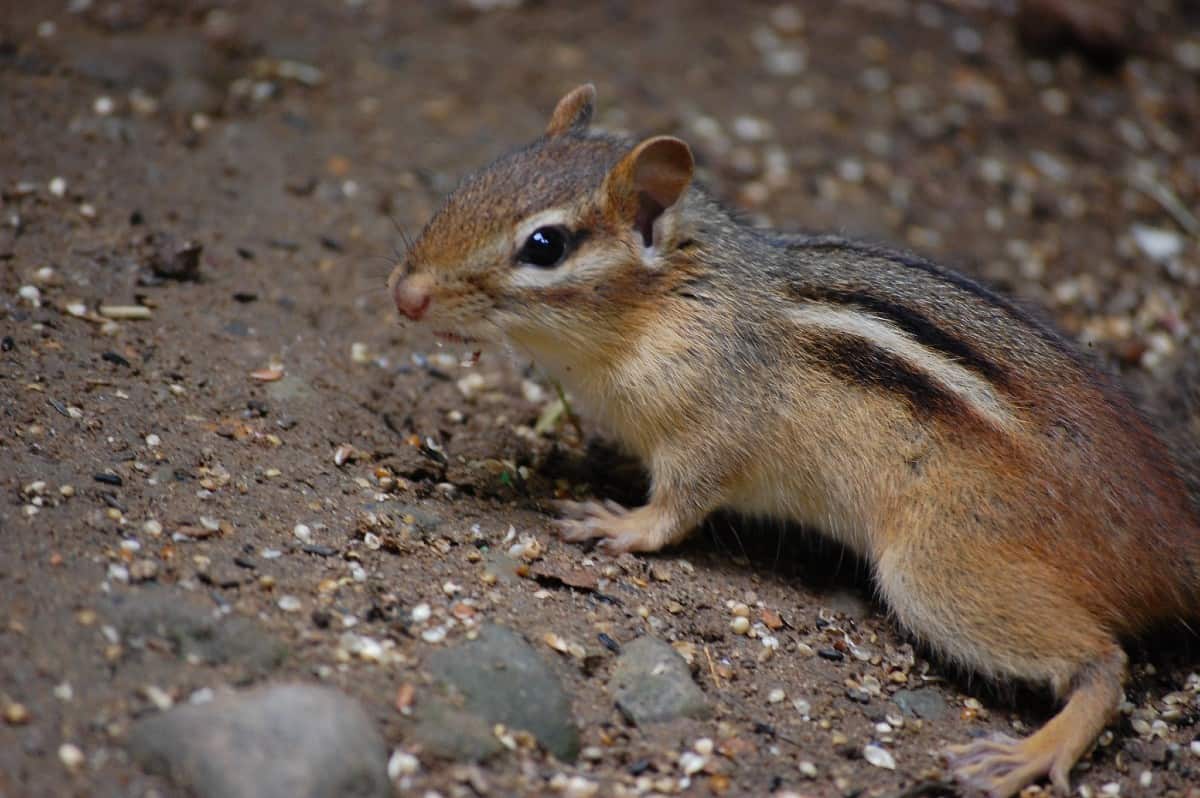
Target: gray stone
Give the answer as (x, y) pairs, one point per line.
(926, 704)
(285, 741)
(195, 633)
(452, 733)
(290, 388)
(426, 520)
(499, 678)
(651, 683)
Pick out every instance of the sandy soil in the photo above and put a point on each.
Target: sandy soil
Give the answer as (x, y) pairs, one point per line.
(269, 384)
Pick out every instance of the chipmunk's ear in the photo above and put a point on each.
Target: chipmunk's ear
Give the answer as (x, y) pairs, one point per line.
(649, 180)
(574, 111)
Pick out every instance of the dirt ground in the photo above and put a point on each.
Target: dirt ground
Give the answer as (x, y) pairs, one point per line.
(238, 172)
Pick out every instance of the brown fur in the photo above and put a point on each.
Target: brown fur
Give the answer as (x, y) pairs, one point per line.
(1019, 515)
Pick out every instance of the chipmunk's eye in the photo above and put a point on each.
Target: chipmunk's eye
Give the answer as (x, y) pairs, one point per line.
(545, 248)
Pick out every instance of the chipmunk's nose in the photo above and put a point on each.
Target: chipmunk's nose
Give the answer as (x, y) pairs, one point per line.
(412, 295)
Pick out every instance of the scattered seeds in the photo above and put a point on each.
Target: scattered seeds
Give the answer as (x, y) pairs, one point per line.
(344, 454)
(272, 374)
(125, 312)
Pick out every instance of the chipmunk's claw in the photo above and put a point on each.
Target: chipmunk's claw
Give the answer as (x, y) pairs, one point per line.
(592, 519)
(1001, 766)
(589, 510)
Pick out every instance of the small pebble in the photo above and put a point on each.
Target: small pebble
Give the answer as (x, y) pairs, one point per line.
(70, 755)
(402, 763)
(750, 128)
(302, 533)
(740, 625)
(1156, 243)
(15, 714)
(289, 603)
(579, 787)
(31, 294)
(58, 186)
(879, 757)
(691, 763)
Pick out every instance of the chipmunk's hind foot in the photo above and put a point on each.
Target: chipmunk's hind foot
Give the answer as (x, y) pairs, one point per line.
(1001, 767)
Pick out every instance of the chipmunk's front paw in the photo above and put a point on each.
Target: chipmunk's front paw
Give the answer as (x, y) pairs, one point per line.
(620, 529)
(586, 520)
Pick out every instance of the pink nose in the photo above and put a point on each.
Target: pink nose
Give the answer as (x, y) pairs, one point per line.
(412, 296)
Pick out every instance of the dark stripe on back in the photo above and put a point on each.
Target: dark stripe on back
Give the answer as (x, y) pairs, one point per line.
(915, 324)
(1045, 331)
(859, 362)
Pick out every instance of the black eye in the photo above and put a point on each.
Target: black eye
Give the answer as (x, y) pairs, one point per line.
(546, 247)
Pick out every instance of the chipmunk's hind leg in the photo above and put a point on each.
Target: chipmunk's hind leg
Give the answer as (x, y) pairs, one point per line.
(1001, 767)
(1007, 614)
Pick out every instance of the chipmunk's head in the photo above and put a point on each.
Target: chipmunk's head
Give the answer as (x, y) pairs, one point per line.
(551, 243)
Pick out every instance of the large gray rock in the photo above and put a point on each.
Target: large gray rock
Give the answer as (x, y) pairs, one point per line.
(286, 741)
(499, 678)
(651, 683)
(194, 633)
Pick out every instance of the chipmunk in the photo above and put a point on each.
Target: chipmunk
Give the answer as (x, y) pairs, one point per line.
(1019, 515)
